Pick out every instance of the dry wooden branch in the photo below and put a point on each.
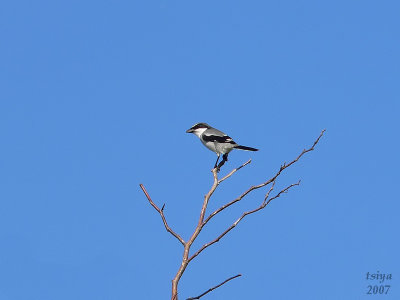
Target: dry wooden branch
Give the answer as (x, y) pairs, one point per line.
(272, 179)
(161, 212)
(234, 171)
(188, 244)
(215, 287)
(263, 205)
(203, 221)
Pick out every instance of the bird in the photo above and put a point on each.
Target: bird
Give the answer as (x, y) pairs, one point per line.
(216, 141)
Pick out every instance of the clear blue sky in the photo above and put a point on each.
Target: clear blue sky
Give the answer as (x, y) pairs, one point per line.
(96, 97)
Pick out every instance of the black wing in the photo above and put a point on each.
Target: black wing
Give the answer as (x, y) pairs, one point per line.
(218, 139)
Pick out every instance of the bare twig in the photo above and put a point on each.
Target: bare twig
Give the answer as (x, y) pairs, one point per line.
(263, 205)
(234, 171)
(161, 212)
(215, 287)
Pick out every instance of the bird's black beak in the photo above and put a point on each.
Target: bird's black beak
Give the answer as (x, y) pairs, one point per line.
(190, 130)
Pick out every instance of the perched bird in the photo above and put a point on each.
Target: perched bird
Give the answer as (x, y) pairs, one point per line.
(216, 141)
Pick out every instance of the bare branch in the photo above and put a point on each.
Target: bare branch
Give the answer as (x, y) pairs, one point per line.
(202, 221)
(161, 212)
(188, 244)
(215, 287)
(283, 167)
(234, 171)
(285, 190)
(263, 205)
(255, 187)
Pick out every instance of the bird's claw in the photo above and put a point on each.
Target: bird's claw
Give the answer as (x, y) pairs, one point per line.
(216, 168)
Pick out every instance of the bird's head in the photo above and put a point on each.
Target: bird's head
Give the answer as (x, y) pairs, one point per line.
(198, 128)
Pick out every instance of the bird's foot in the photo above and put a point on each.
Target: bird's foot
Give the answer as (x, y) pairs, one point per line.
(217, 168)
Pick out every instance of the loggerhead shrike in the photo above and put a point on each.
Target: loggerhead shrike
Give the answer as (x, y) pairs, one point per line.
(216, 141)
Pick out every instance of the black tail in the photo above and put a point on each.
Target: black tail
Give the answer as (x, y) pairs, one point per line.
(246, 148)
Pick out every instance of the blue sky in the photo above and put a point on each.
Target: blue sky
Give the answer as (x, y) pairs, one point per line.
(96, 97)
